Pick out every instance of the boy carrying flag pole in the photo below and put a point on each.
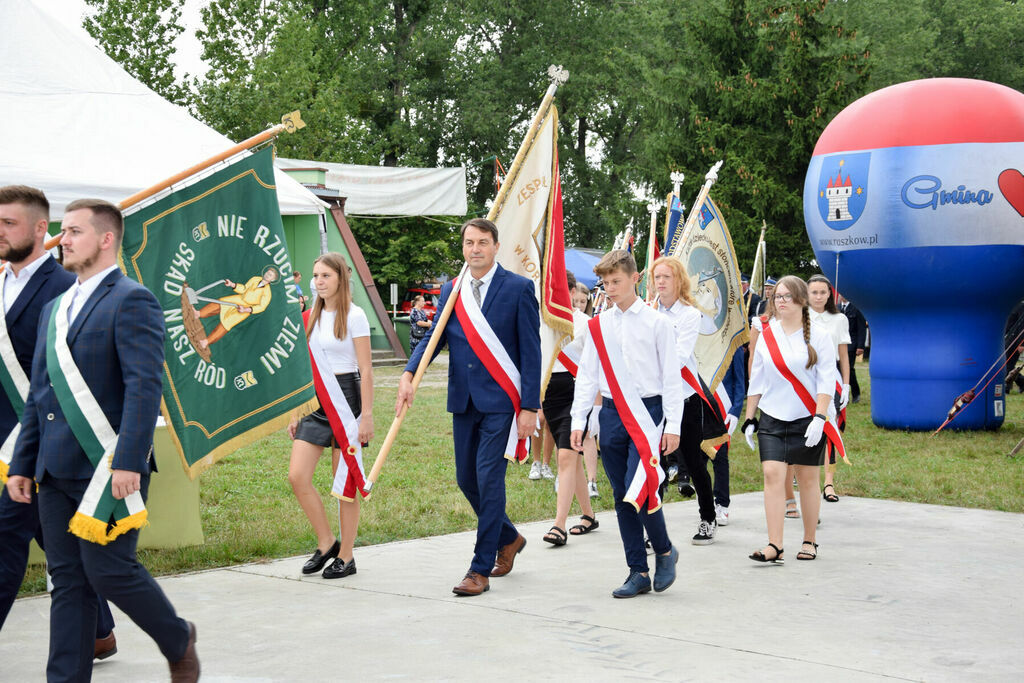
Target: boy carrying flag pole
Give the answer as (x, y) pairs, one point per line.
(640, 400)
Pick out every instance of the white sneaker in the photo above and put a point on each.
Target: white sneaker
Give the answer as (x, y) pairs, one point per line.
(546, 472)
(721, 515)
(705, 533)
(592, 489)
(535, 470)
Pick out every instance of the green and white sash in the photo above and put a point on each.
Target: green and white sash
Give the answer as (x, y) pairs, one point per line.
(100, 517)
(15, 385)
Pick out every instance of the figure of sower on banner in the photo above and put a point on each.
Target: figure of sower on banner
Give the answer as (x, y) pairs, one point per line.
(250, 298)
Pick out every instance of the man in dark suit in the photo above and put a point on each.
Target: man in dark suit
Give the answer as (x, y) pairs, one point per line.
(858, 337)
(115, 340)
(482, 412)
(30, 279)
(762, 305)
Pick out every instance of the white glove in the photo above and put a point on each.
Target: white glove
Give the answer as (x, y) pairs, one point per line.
(844, 399)
(593, 426)
(814, 431)
(730, 422)
(748, 433)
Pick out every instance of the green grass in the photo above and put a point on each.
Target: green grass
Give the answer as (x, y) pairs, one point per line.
(249, 513)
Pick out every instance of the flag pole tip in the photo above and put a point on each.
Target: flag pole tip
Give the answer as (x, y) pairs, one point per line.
(557, 74)
(293, 121)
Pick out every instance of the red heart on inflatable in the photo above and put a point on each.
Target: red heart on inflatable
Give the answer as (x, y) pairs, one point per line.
(1011, 184)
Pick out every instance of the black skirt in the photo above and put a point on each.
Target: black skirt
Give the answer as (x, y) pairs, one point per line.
(557, 406)
(782, 441)
(316, 429)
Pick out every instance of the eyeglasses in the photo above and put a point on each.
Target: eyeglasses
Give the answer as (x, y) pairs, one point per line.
(784, 297)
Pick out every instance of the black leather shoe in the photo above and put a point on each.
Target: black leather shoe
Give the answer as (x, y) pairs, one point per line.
(340, 568)
(319, 559)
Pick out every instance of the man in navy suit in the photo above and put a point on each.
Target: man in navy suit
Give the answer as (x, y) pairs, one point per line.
(31, 279)
(482, 412)
(115, 337)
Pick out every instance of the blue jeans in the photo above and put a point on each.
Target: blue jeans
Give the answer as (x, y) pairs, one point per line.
(621, 458)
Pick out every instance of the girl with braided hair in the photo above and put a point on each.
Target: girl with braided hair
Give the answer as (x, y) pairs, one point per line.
(792, 381)
(821, 298)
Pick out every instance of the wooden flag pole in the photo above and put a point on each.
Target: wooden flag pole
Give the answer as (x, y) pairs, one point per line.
(691, 220)
(557, 76)
(428, 353)
(289, 124)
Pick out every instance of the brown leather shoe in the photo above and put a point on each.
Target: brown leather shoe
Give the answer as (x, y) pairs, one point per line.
(105, 647)
(473, 584)
(186, 669)
(507, 556)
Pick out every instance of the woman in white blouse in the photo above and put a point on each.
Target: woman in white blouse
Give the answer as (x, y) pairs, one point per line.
(825, 313)
(700, 423)
(789, 432)
(344, 334)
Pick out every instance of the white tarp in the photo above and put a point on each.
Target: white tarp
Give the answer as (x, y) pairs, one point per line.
(393, 191)
(75, 124)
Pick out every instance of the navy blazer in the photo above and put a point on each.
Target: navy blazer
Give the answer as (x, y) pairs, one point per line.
(117, 341)
(511, 309)
(23, 319)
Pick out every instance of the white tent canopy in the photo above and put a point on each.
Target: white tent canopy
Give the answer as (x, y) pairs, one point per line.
(75, 124)
(393, 191)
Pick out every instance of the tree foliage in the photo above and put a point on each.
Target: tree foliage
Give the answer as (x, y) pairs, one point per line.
(140, 35)
(655, 86)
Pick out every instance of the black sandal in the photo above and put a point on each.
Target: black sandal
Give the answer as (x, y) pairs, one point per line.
(804, 555)
(579, 529)
(556, 536)
(830, 497)
(759, 556)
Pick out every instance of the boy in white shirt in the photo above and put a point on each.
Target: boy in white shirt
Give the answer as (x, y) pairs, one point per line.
(629, 356)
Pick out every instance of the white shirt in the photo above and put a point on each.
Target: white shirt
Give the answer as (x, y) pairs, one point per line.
(686, 323)
(488, 276)
(15, 284)
(837, 324)
(579, 338)
(81, 291)
(341, 353)
(648, 347)
(778, 398)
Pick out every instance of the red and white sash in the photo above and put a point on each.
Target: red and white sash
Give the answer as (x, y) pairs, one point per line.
(571, 354)
(645, 479)
(831, 433)
(350, 476)
(491, 352)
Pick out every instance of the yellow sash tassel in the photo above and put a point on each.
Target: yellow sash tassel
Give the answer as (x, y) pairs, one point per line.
(4, 468)
(347, 499)
(709, 445)
(93, 530)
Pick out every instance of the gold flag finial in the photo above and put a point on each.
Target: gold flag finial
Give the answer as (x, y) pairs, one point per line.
(293, 121)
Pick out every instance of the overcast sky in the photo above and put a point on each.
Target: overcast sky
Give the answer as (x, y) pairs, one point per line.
(70, 13)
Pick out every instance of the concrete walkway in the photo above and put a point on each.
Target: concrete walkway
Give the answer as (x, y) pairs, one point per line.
(900, 591)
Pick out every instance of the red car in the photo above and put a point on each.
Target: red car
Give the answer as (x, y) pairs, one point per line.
(430, 292)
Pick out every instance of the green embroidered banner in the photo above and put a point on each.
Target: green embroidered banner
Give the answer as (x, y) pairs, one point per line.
(215, 256)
